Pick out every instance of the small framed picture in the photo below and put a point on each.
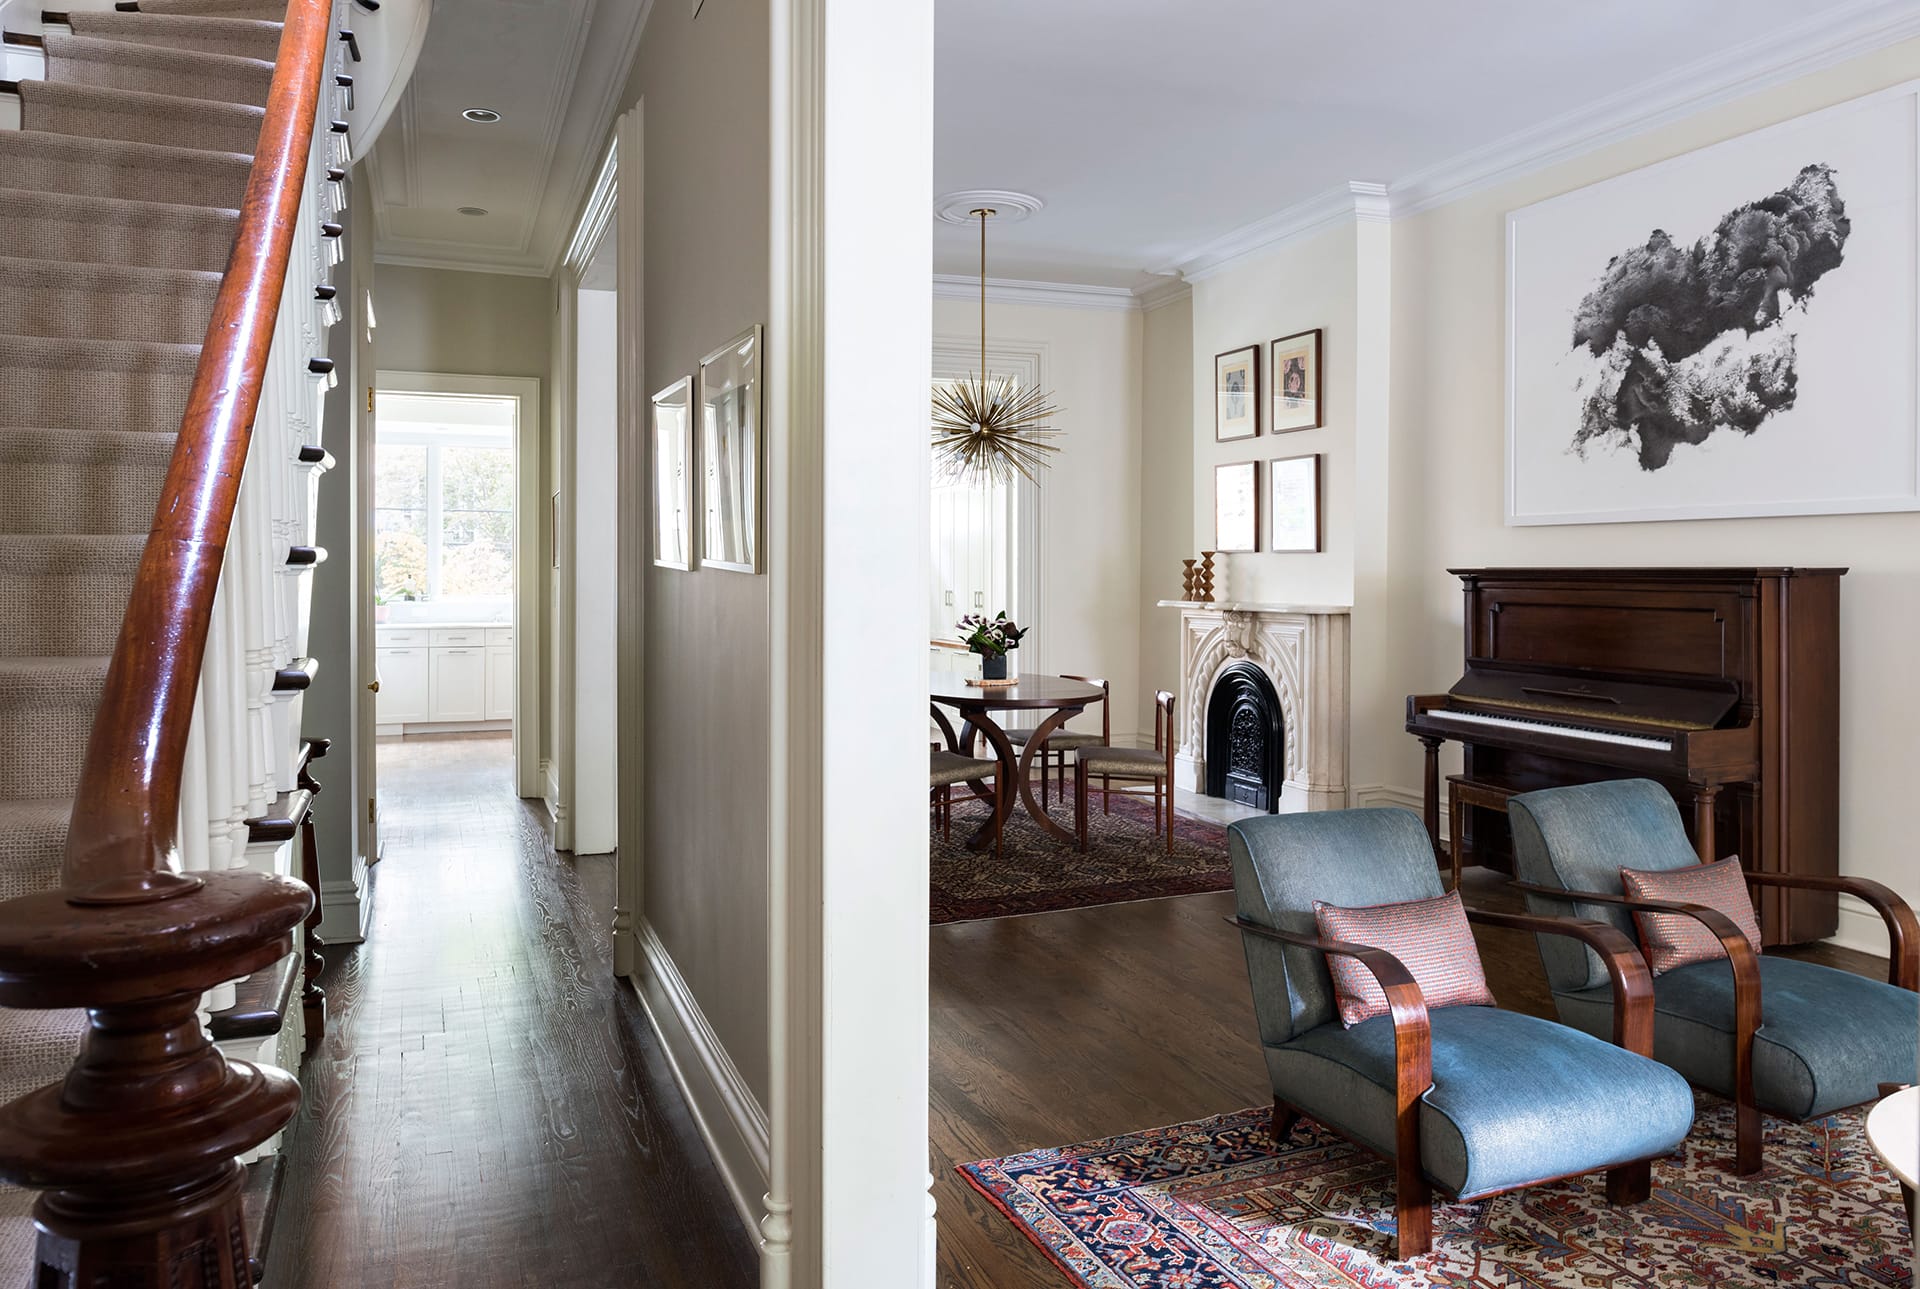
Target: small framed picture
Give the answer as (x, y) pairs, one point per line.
(1294, 504)
(1236, 507)
(673, 475)
(1236, 394)
(1295, 370)
(730, 454)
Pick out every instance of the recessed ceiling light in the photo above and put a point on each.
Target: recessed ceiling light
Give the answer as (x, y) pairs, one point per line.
(481, 115)
(473, 210)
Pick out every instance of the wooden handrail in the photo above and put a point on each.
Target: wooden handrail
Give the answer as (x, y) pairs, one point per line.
(124, 834)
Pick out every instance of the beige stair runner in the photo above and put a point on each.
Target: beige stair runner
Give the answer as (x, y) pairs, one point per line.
(117, 215)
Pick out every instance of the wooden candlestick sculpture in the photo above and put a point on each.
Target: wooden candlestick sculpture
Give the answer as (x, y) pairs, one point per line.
(1206, 577)
(1188, 590)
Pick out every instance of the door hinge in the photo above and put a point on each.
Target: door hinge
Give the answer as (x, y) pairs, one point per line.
(369, 398)
(370, 818)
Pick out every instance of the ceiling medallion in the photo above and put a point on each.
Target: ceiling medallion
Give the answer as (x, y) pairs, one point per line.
(1008, 207)
(991, 428)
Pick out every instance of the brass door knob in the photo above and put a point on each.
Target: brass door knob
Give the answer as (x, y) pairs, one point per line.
(374, 685)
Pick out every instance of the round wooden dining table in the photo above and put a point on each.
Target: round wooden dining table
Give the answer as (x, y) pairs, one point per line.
(1060, 698)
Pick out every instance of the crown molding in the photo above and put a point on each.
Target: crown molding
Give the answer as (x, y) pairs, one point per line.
(1162, 294)
(1050, 295)
(1833, 35)
(1824, 39)
(453, 265)
(1350, 202)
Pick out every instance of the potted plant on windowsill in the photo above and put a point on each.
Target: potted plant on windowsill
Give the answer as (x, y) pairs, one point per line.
(993, 640)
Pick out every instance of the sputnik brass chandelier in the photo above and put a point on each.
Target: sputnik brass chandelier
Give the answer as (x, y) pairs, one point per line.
(987, 427)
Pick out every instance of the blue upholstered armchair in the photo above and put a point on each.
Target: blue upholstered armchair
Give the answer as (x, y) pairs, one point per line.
(1470, 1099)
(1790, 1037)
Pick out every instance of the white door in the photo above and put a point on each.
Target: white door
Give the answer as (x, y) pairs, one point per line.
(459, 684)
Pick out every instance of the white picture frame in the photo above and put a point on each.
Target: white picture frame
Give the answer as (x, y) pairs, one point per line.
(671, 431)
(1808, 403)
(732, 453)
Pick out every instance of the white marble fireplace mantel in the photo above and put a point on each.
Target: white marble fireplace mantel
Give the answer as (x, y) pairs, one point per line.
(1303, 649)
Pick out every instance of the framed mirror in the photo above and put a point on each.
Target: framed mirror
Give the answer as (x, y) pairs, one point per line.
(731, 455)
(673, 475)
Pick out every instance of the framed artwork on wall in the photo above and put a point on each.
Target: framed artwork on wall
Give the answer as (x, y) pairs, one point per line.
(1236, 394)
(1728, 333)
(672, 431)
(1294, 368)
(731, 454)
(1236, 508)
(1293, 485)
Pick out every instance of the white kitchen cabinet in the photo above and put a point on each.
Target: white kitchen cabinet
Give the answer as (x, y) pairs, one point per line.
(500, 682)
(403, 684)
(458, 684)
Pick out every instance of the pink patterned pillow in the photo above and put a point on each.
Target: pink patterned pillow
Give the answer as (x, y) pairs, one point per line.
(1673, 939)
(1432, 939)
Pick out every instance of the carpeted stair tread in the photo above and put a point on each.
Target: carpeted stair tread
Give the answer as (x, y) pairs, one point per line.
(106, 301)
(110, 230)
(33, 839)
(154, 69)
(80, 481)
(271, 9)
(19, 1237)
(134, 171)
(80, 384)
(47, 705)
(40, 1047)
(65, 593)
(206, 33)
(133, 117)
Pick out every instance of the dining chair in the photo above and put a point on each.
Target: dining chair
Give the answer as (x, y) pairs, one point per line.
(1063, 741)
(1782, 1035)
(947, 769)
(1136, 764)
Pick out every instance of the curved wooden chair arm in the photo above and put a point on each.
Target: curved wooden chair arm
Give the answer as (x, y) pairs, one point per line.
(1632, 982)
(1903, 927)
(1412, 1030)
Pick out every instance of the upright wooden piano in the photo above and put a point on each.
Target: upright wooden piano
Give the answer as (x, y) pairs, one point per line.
(1723, 684)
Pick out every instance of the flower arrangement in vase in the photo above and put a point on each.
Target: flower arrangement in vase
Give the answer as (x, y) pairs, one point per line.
(993, 639)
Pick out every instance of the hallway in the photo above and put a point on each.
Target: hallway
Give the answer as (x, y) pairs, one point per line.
(490, 1107)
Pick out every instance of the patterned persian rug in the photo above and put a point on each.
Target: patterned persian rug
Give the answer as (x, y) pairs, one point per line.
(1215, 1205)
(1125, 860)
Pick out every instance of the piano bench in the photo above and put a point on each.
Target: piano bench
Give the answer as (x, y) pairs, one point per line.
(1461, 793)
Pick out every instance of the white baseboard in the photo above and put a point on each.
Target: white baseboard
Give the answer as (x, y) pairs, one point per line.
(730, 1119)
(1860, 928)
(345, 907)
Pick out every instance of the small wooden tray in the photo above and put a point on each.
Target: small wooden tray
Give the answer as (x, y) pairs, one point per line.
(980, 683)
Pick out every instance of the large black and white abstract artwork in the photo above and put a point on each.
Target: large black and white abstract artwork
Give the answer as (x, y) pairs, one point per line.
(1731, 332)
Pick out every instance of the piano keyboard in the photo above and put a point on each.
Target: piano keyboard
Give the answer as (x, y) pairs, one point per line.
(1558, 728)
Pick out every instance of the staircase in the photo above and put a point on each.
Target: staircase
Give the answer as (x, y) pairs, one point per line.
(171, 186)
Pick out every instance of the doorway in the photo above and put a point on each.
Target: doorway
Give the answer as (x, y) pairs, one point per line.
(591, 693)
(449, 532)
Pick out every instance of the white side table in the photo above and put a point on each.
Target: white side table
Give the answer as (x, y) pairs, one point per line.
(1893, 1130)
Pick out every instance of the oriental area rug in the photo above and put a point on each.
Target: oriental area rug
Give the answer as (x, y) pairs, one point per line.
(1215, 1204)
(1124, 861)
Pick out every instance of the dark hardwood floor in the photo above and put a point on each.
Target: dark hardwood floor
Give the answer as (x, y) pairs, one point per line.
(1062, 1027)
(490, 1107)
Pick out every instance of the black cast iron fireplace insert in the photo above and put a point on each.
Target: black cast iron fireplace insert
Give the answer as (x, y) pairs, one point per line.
(1246, 739)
